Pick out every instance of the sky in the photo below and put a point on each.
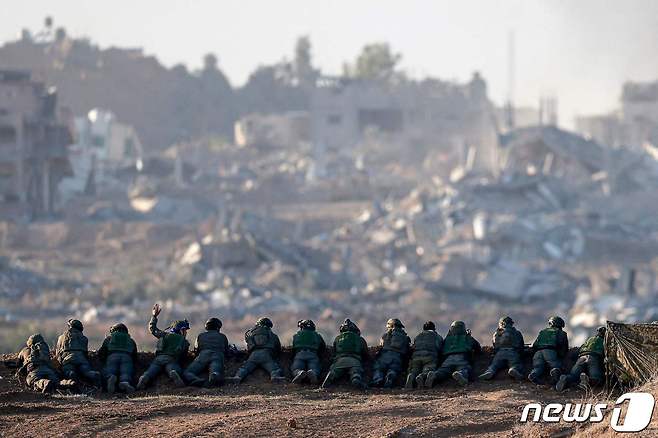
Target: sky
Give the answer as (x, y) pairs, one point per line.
(580, 51)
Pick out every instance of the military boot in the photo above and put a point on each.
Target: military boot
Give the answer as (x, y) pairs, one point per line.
(126, 387)
(561, 383)
(533, 377)
(214, 379)
(555, 374)
(299, 377)
(409, 384)
(175, 377)
(278, 379)
(49, 386)
(390, 380)
(487, 375)
(515, 374)
(584, 382)
(111, 384)
(429, 380)
(459, 378)
(143, 382)
(312, 377)
(358, 382)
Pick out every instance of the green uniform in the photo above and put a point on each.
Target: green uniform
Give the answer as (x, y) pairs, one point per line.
(551, 346)
(119, 351)
(72, 350)
(307, 345)
(171, 348)
(458, 350)
(590, 362)
(350, 350)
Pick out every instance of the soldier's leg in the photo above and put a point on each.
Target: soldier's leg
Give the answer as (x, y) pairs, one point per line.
(247, 368)
(216, 370)
(538, 366)
(175, 371)
(273, 368)
(462, 370)
(594, 369)
(126, 370)
(496, 364)
(314, 369)
(515, 365)
(356, 377)
(151, 373)
(333, 375)
(191, 373)
(298, 368)
(555, 364)
(414, 370)
(442, 373)
(378, 369)
(69, 370)
(85, 369)
(567, 380)
(394, 368)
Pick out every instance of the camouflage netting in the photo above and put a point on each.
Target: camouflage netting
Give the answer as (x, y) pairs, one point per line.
(631, 353)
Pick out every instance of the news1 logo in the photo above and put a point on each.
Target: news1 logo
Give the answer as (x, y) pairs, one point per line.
(638, 412)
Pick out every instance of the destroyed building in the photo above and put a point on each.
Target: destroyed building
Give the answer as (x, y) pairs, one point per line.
(33, 145)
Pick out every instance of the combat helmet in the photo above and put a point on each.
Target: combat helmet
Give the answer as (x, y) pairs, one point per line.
(429, 325)
(120, 327)
(349, 326)
(265, 322)
(75, 324)
(306, 324)
(213, 324)
(505, 321)
(394, 323)
(600, 331)
(555, 321)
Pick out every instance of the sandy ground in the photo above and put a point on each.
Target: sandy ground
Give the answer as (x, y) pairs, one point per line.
(263, 409)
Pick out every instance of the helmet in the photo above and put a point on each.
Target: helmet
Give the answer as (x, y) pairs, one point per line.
(120, 327)
(429, 325)
(306, 324)
(349, 326)
(600, 331)
(555, 321)
(505, 321)
(457, 328)
(394, 323)
(34, 339)
(179, 325)
(213, 324)
(75, 324)
(265, 322)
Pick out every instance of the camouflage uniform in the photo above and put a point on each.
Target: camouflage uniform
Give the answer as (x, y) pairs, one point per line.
(458, 349)
(427, 347)
(263, 347)
(119, 351)
(395, 345)
(34, 360)
(171, 348)
(551, 346)
(588, 368)
(307, 345)
(508, 346)
(210, 349)
(72, 351)
(350, 350)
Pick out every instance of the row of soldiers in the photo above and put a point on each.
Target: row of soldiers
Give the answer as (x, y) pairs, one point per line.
(432, 358)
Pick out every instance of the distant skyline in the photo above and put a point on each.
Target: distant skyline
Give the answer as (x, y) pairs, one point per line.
(578, 50)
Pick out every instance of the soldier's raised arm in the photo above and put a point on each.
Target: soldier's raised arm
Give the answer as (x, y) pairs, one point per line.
(153, 323)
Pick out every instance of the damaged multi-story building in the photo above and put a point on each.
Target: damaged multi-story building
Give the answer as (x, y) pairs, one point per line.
(33, 146)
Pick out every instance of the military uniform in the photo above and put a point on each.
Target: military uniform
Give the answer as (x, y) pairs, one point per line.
(263, 346)
(458, 349)
(171, 348)
(427, 347)
(395, 345)
(551, 346)
(350, 350)
(34, 360)
(588, 368)
(119, 351)
(72, 351)
(508, 346)
(307, 344)
(210, 348)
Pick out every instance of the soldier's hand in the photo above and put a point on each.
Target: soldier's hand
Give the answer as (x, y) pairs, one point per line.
(156, 309)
